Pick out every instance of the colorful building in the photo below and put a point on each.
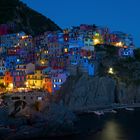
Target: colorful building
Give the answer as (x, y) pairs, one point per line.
(126, 52)
(2, 69)
(47, 84)
(8, 80)
(1, 78)
(19, 79)
(54, 81)
(35, 79)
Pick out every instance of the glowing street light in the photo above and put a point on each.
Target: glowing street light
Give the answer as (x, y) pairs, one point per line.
(96, 41)
(111, 71)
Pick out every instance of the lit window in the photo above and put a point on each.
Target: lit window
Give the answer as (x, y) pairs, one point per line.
(119, 44)
(46, 52)
(42, 62)
(54, 86)
(97, 34)
(65, 50)
(60, 80)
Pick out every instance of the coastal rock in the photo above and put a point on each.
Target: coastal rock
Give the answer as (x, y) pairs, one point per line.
(84, 92)
(58, 114)
(128, 94)
(88, 92)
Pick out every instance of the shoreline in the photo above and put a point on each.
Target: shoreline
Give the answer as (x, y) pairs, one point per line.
(106, 108)
(90, 111)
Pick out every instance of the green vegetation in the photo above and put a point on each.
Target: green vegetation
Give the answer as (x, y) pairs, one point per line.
(137, 54)
(128, 70)
(110, 49)
(24, 18)
(7, 8)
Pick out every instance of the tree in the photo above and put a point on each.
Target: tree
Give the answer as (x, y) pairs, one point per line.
(137, 54)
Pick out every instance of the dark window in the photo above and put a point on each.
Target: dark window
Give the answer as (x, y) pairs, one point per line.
(15, 98)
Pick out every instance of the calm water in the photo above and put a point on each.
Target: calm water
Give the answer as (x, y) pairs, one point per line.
(125, 125)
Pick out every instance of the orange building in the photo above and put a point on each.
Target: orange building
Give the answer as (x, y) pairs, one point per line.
(48, 85)
(8, 79)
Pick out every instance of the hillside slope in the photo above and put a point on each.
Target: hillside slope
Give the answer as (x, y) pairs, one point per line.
(23, 18)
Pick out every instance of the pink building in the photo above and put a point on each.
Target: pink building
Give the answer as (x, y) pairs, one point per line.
(19, 79)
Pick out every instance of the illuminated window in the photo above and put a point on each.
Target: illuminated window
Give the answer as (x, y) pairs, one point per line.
(119, 44)
(60, 80)
(54, 86)
(42, 62)
(26, 44)
(97, 34)
(65, 50)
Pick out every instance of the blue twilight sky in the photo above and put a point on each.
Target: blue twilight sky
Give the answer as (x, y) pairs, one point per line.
(122, 15)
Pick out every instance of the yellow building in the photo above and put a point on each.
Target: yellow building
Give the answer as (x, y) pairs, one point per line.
(1, 79)
(35, 80)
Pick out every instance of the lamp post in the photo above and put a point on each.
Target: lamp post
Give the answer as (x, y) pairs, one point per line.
(111, 71)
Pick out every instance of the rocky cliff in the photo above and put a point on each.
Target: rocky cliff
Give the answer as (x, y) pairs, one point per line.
(88, 92)
(122, 87)
(22, 18)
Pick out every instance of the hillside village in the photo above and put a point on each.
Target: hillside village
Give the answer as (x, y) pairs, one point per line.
(52, 78)
(46, 61)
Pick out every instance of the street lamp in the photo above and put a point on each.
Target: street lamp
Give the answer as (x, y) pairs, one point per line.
(111, 71)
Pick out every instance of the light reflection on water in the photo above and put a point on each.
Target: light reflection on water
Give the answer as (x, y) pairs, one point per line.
(121, 126)
(111, 131)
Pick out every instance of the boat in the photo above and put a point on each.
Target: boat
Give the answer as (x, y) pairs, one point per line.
(113, 111)
(129, 109)
(99, 113)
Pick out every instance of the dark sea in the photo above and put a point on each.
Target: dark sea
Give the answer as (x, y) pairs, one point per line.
(125, 125)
